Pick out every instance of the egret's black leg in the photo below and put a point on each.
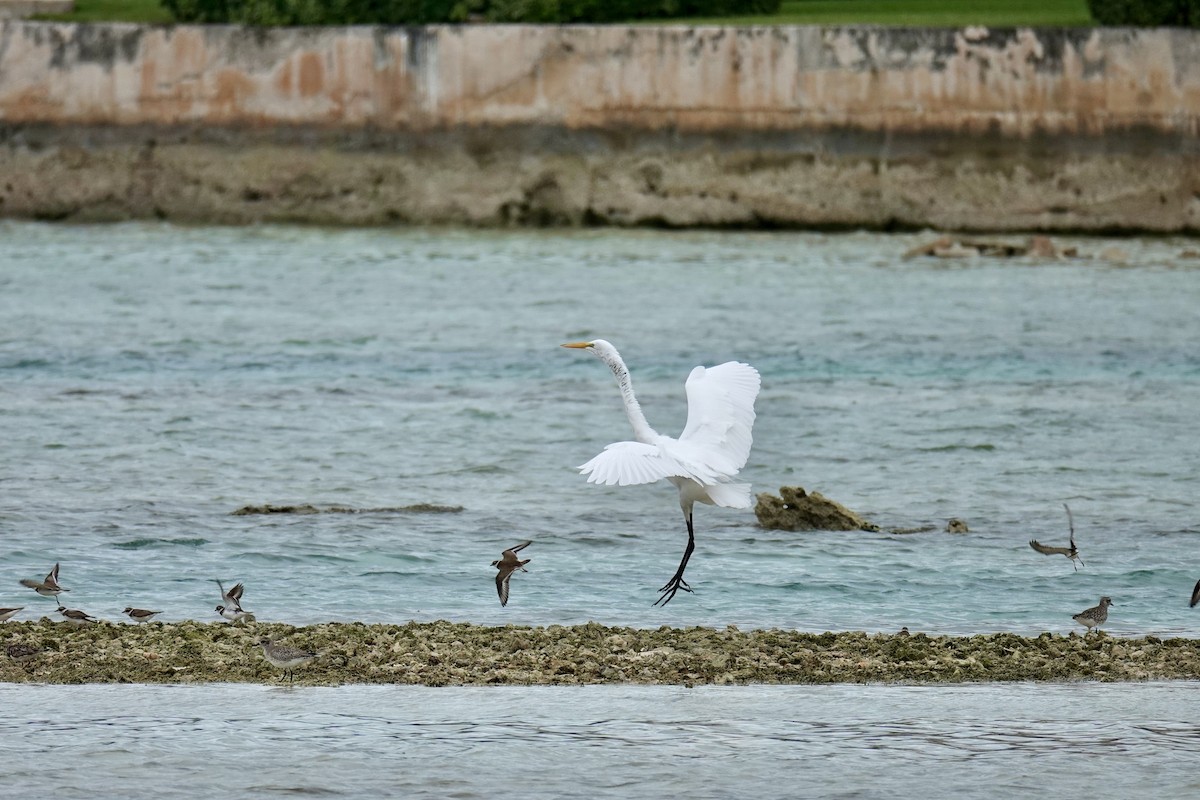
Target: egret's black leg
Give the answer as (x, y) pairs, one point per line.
(677, 582)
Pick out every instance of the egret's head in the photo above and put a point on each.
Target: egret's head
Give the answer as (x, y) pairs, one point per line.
(597, 347)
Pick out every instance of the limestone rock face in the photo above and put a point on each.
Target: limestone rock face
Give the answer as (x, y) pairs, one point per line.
(798, 510)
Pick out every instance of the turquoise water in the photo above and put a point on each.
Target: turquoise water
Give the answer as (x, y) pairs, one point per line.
(153, 379)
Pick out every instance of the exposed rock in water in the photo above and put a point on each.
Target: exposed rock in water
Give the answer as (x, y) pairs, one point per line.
(956, 525)
(798, 510)
(307, 508)
(455, 654)
(1041, 247)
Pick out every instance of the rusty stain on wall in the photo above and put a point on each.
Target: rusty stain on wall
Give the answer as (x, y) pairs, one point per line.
(1016, 82)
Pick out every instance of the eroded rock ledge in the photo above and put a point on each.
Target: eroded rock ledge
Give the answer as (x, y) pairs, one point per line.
(444, 653)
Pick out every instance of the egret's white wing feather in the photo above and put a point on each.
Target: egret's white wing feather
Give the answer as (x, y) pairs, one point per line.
(721, 415)
(626, 464)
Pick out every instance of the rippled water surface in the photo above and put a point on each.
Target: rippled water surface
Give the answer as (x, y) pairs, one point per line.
(153, 379)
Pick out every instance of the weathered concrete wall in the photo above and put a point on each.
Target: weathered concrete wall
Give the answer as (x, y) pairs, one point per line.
(1083, 129)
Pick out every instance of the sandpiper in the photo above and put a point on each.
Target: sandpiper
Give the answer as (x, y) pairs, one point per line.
(22, 652)
(1071, 552)
(1095, 616)
(8, 613)
(48, 587)
(140, 615)
(76, 617)
(284, 657)
(507, 564)
(1195, 595)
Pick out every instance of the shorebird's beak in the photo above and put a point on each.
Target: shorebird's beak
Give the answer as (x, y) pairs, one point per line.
(578, 345)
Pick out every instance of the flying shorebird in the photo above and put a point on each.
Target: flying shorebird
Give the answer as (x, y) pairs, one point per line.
(1071, 552)
(284, 657)
(702, 462)
(8, 613)
(1095, 616)
(140, 615)
(48, 587)
(231, 603)
(507, 564)
(1195, 595)
(76, 617)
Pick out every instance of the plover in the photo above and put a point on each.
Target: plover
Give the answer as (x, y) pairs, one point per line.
(284, 657)
(48, 587)
(1095, 616)
(140, 615)
(76, 617)
(1071, 552)
(507, 564)
(8, 613)
(1195, 595)
(22, 652)
(703, 462)
(231, 604)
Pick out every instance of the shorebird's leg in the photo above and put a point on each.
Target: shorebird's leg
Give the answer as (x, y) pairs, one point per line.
(677, 582)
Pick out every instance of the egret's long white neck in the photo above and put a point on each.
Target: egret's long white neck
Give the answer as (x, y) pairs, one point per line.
(641, 429)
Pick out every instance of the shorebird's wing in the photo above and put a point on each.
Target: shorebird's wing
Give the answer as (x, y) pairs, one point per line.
(1070, 524)
(1047, 550)
(32, 584)
(721, 415)
(502, 585)
(519, 547)
(628, 463)
(52, 578)
(1195, 595)
(235, 594)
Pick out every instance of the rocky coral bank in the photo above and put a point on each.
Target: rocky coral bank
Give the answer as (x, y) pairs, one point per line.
(444, 653)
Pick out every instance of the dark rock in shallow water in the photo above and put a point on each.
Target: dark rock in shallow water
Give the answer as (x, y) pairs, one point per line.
(798, 510)
(307, 508)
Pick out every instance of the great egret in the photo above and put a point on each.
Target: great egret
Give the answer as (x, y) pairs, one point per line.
(1071, 552)
(702, 462)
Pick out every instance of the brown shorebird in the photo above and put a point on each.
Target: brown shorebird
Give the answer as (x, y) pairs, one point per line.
(140, 615)
(702, 463)
(1095, 616)
(1195, 595)
(284, 657)
(76, 617)
(48, 587)
(8, 613)
(507, 564)
(1071, 552)
(22, 652)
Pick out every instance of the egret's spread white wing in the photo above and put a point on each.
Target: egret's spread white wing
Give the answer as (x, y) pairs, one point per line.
(626, 464)
(721, 415)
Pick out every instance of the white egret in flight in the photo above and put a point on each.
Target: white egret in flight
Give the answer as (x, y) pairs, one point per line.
(702, 462)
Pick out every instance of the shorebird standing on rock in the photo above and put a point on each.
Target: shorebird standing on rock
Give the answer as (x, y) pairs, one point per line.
(76, 617)
(140, 615)
(284, 657)
(507, 564)
(1095, 616)
(1071, 552)
(8, 613)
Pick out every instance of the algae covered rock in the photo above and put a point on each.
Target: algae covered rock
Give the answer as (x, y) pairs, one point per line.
(798, 510)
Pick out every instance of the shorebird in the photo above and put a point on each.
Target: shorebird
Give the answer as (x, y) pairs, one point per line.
(1071, 552)
(8, 613)
(284, 657)
(22, 652)
(231, 604)
(703, 462)
(48, 587)
(1095, 616)
(140, 615)
(507, 564)
(76, 617)
(1195, 595)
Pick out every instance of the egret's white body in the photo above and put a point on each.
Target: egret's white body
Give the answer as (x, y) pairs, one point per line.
(703, 461)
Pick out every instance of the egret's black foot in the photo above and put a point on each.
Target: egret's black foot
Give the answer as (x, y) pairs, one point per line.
(673, 586)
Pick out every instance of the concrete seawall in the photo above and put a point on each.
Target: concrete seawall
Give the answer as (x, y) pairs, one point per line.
(1079, 129)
